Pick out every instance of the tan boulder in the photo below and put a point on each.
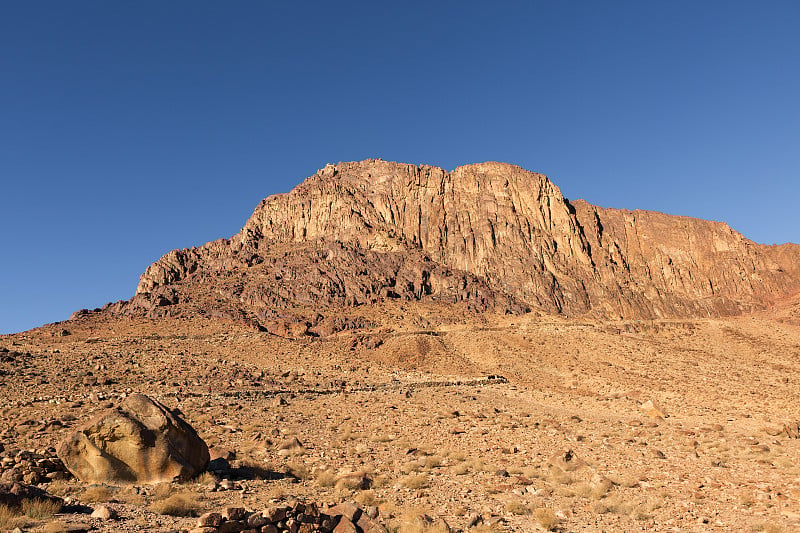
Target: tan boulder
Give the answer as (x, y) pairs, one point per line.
(141, 441)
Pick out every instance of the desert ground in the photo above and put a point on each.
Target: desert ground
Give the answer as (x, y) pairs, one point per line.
(436, 415)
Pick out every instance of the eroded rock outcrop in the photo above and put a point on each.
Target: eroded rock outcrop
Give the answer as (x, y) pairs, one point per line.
(141, 441)
(491, 234)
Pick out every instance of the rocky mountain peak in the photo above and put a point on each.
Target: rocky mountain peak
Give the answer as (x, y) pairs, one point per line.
(493, 235)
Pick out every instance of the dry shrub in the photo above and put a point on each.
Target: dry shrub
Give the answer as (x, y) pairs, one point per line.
(546, 518)
(129, 495)
(628, 481)
(382, 438)
(381, 480)
(558, 476)
(206, 478)
(416, 523)
(162, 491)
(325, 478)
(594, 491)
(347, 432)
(298, 470)
(415, 482)
(517, 507)
(97, 494)
(457, 455)
(9, 517)
(367, 498)
(40, 509)
(534, 472)
(461, 469)
(354, 481)
(612, 504)
(433, 461)
(476, 465)
(411, 466)
(600, 489)
(180, 504)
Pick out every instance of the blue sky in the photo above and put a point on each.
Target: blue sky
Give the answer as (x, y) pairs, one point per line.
(128, 129)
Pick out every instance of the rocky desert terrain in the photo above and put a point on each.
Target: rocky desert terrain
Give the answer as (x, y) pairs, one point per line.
(464, 351)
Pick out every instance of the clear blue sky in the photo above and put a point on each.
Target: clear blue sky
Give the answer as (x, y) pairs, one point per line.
(128, 128)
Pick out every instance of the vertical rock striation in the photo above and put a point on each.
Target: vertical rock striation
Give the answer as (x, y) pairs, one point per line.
(488, 232)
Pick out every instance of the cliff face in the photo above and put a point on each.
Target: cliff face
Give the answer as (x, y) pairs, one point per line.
(491, 234)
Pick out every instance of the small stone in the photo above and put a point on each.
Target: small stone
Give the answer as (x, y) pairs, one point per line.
(104, 513)
(653, 410)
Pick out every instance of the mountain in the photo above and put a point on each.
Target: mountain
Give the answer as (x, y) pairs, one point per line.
(488, 236)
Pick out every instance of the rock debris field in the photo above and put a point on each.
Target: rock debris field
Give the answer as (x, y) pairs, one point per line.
(433, 419)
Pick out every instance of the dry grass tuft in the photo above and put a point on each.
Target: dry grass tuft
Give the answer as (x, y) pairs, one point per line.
(206, 478)
(415, 482)
(129, 495)
(613, 504)
(461, 469)
(382, 437)
(415, 523)
(433, 461)
(411, 466)
(97, 494)
(162, 491)
(627, 481)
(9, 518)
(325, 478)
(546, 518)
(180, 504)
(457, 456)
(367, 498)
(40, 509)
(298, 470)
(517, 507)
(559, 476)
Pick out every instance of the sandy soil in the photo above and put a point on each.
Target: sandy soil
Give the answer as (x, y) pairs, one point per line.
(595, 426)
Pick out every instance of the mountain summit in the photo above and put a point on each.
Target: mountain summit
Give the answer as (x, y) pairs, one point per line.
(490, 236)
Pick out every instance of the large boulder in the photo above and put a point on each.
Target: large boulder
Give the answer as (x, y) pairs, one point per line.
(141, 441)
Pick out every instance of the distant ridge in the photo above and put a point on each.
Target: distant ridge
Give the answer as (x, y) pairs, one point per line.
(491, 236)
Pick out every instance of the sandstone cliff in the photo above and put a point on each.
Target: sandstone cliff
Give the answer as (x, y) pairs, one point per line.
(492, 235)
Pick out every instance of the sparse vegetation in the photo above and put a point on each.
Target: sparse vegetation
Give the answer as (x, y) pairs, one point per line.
(178, 504)
(517, 507)
(40, 509)
(546, 518)
(98, 494)
(415, 481)
(9, 517)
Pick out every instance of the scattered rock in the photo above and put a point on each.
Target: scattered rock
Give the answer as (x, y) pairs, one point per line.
(13, 494)
(104, 512)
(653, 410)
